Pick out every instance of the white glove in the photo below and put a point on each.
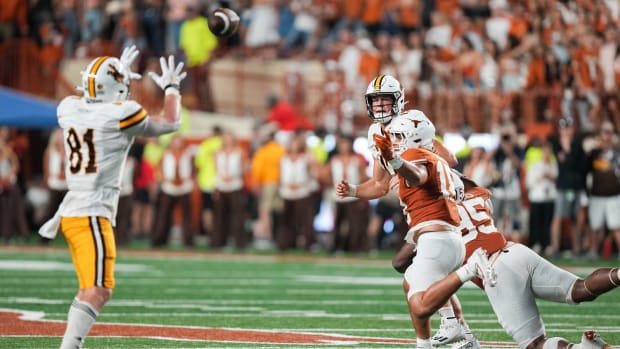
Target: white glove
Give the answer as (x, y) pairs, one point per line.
(170, 76)
(128, 56)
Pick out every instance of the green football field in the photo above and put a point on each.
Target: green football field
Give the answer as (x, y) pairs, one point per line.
(177, 299)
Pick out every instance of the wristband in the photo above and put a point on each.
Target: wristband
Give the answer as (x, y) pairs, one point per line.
(176, 86)
(396, 163)
(171, 90)
(352, 190)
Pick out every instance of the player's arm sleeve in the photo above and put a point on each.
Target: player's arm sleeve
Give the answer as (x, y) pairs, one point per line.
(139, 123)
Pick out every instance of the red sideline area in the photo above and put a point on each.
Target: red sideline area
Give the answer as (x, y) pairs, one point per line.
(13, 324)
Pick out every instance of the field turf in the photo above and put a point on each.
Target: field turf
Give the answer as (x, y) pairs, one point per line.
(201, 299)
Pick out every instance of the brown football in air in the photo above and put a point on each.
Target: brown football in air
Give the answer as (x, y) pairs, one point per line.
(223, 22)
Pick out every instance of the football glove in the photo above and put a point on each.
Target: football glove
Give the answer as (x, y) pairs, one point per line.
(128, 56)
(171, 76)
(384, 145)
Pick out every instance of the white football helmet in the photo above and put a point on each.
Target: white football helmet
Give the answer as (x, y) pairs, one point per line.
(385, 85)
(411, 130)
(105, 80)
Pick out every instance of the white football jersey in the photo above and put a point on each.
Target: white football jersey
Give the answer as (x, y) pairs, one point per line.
(96, 144)
(97, 139)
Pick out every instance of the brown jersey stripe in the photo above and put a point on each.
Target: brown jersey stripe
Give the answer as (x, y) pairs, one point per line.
(132, 119)
(91, 77)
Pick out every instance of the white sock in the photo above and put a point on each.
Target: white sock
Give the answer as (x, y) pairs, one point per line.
(464, 273)
(423, 343)
(446, 313)
(466, 330)
(80, 319)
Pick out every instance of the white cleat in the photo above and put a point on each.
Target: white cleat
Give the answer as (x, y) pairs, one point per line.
(591, 340)
(468, 343)
(479, 262)
(449, 332)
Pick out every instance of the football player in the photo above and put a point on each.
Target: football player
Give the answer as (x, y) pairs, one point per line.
(385, 100)
(428, 194)
(514, 277)
(98, 129)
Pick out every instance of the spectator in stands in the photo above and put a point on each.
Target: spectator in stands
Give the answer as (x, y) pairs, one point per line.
(604, 200)
(497, 26)
(92, 19)
(329, 113)
(372, 15)
(467, 68)
(261, 36)
(13, 19)
(587, 74)
(177, 172)
(506, 186)
(207, 176)
(348, 54)
(175, 15)
(153, 24)
(570, 183)
(350, 214)
(145, 189)
(232, 165)
(122, 230)
(349, 20)
(69, 24)
(54, 162)
(12, 210)
(198, 44)
(479, 167)
(540, 181)
(305, 25)
(284, 116)
(130, 30)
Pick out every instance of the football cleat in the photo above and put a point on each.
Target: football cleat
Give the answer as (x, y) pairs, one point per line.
(468, 343)
(450, 331)
(591, 340)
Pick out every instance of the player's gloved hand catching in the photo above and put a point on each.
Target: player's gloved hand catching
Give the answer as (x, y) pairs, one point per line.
(128, 56)
(171, 76)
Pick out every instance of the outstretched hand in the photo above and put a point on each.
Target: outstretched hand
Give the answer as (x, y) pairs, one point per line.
(128, 56)
(171, 75)
(384, 145)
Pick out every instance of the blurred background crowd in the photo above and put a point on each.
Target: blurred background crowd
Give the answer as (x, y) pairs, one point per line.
(524, 92)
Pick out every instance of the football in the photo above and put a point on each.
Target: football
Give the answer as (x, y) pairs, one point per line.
(223, 22)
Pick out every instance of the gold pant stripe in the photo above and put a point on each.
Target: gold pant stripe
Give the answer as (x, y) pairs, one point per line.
(93, 249)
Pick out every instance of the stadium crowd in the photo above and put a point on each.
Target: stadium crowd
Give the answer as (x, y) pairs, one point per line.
(541, 76)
